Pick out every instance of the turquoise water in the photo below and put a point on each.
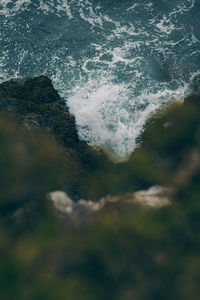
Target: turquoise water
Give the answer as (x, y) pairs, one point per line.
(115, 62)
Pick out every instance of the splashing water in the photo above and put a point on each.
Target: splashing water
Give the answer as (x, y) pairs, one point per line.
(115, 62)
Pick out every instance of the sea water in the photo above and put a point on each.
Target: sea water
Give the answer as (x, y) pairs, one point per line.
(114, 62)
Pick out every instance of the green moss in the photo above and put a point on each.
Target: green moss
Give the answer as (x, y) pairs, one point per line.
(127, 251)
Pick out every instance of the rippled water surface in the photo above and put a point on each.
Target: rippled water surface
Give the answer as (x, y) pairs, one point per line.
(115, 62)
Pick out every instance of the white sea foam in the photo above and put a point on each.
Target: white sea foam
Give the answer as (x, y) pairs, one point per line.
(106, 114)
(183, 7)
(133, 6)
(110, 75)
(10, 8)
(111, 113)
(165, 25)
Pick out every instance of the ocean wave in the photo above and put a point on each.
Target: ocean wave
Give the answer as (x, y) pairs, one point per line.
(114, 64)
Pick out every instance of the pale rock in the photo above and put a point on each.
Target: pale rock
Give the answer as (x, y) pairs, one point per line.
(61, 201)
(156, 196)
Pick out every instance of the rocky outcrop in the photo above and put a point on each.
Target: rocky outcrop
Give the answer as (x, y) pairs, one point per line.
(38, 106)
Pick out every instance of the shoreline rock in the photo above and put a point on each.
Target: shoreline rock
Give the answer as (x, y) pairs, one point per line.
(38, 106)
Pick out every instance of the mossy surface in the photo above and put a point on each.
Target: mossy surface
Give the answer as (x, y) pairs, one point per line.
(127, 251)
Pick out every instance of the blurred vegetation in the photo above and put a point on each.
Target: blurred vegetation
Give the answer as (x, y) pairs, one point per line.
(127, 251)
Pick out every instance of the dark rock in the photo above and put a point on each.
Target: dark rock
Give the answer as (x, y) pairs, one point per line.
(38, 105)
(39, 90)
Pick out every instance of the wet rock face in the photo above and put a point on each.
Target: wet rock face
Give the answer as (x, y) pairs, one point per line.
(39, 106)
(38, 90)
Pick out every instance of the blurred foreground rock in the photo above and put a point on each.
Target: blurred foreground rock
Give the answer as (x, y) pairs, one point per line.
(137, 246)
(155, 197)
